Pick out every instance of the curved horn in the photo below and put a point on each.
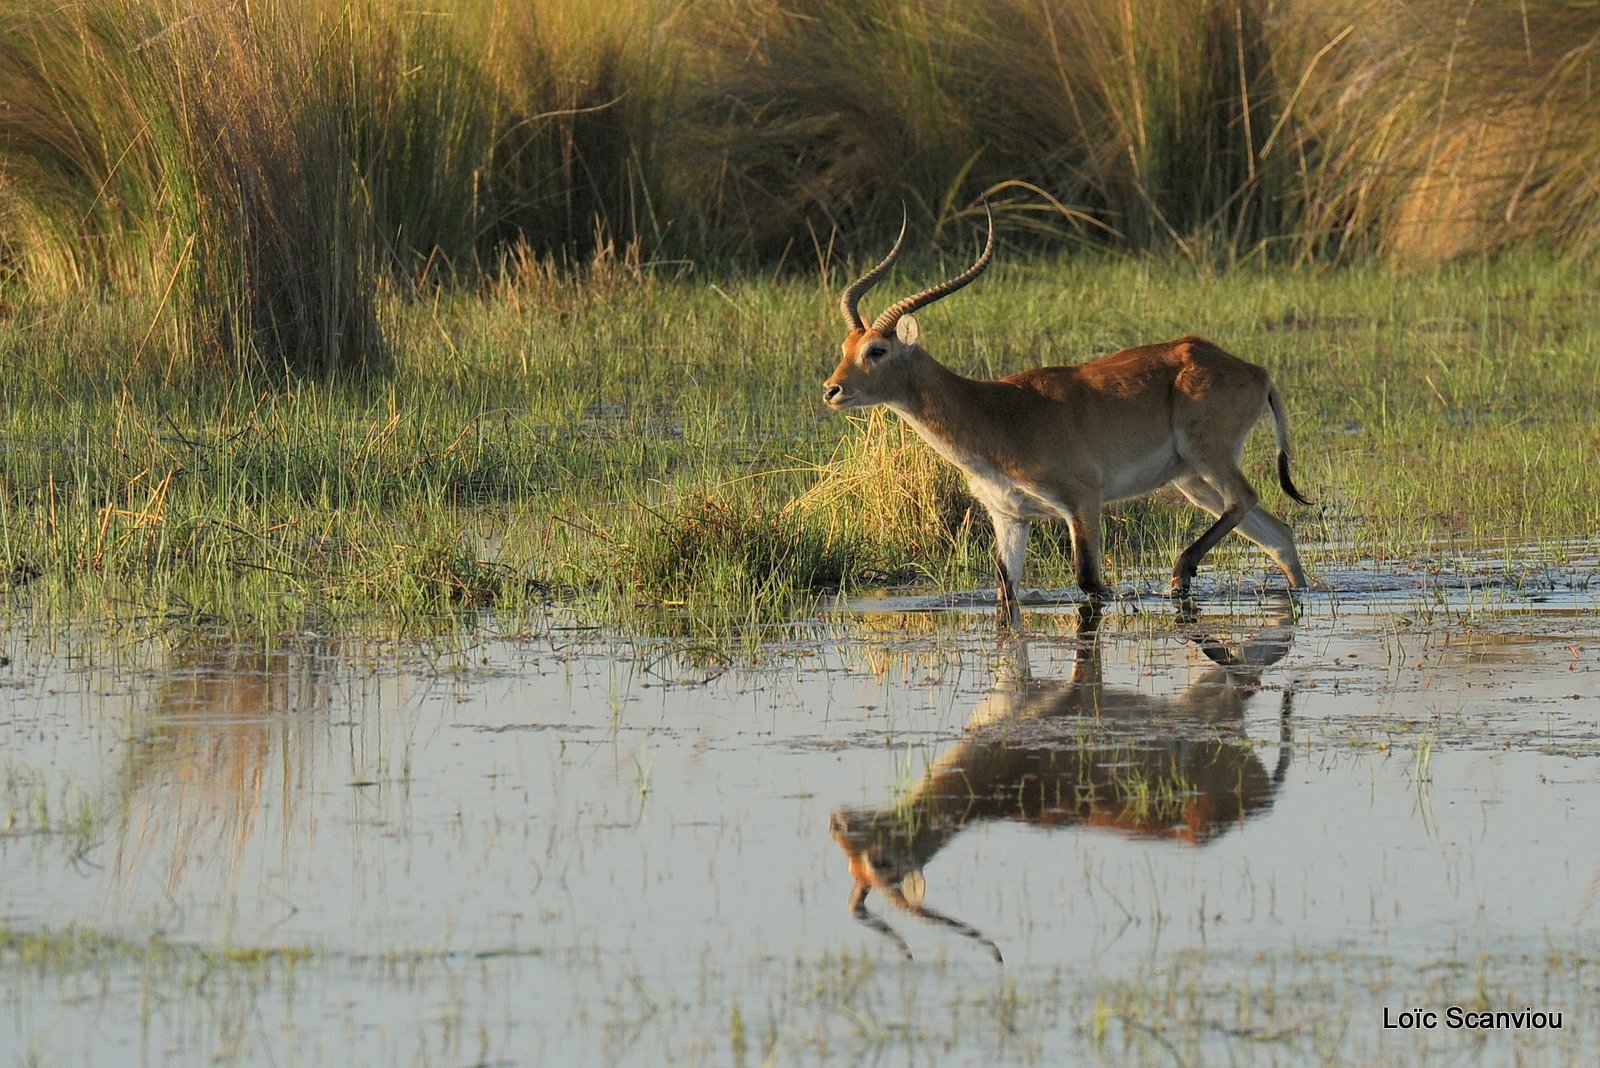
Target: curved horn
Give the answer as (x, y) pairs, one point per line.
(852, 296)
(884, 324)
(858, 909)
(898, 899)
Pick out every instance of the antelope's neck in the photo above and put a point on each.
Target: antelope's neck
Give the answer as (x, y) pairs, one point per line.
(949, 412)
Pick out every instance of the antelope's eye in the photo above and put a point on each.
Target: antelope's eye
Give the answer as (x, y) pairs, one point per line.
(876, 352)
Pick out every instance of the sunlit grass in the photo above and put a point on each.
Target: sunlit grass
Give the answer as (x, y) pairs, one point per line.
(248, 181)
(653, 440)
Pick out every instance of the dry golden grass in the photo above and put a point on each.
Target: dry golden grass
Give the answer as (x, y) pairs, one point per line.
(245, 178)
(884, 484)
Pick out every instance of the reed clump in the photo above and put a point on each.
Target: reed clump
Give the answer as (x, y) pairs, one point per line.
(250, 177)
(883, 485)
(720, 551)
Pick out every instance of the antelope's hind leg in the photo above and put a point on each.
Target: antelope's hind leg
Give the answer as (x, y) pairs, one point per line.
(1258, 525)
(1232, 499)
(1274, 535)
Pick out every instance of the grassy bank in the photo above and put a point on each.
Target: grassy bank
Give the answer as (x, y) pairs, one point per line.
(653, 444)
(252, 179)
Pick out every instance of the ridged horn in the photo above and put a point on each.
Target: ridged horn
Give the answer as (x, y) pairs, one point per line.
(852, 295)
(884, 324)
(898, 899)
(858, 909)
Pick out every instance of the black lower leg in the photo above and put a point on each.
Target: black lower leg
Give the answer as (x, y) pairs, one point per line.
(1005, 589)
(1189, 560)
(1006, 605)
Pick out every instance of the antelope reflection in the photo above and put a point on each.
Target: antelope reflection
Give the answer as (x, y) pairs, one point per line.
(1075, 752)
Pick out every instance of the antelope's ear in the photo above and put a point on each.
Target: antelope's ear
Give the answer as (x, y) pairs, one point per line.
(913, 886)
(906, 329)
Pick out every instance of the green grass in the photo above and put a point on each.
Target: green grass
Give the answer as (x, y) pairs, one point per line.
(249, 182)
(76, 948)
(639, 442)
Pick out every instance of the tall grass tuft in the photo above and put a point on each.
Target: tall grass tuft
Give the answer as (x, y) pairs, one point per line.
(248, 174)
(1153, 115)
(198, 164)
(287, 274)
(582, 164)
(883, 486)
(721, 551)
(92, 167)
(822, 117)
(1138, 122)
(499, 131)
(1442, 128)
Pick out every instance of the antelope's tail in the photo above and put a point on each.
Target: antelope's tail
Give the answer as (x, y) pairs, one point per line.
(1282, 419)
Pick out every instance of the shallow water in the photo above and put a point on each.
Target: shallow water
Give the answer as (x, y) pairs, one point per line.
(1244, 839)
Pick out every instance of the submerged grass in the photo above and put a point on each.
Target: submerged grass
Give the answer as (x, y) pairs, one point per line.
(1274, 1005)
(76, 948)
(646, 440)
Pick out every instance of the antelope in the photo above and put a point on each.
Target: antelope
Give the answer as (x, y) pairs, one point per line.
(1057, 753)
(1066, 441)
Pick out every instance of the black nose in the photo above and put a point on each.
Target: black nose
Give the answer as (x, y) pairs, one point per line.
(830, 393)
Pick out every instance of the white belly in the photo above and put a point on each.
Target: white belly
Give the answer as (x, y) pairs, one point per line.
(1143, 475)
(993, 490)
(1133, 477)
(1000, 495)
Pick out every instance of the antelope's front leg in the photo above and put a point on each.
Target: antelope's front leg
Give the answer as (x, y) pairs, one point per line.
(1084, 523)
(1010, 561)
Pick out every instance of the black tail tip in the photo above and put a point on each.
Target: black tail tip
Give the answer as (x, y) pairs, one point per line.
(1285, 481)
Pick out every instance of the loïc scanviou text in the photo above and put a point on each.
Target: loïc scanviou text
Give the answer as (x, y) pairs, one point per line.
(1455, 1017)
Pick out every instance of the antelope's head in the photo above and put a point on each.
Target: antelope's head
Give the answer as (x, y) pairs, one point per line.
(888, 859)
(878, 359)
(884, 848)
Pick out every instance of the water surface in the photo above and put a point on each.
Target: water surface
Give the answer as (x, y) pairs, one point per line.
(887, 833)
